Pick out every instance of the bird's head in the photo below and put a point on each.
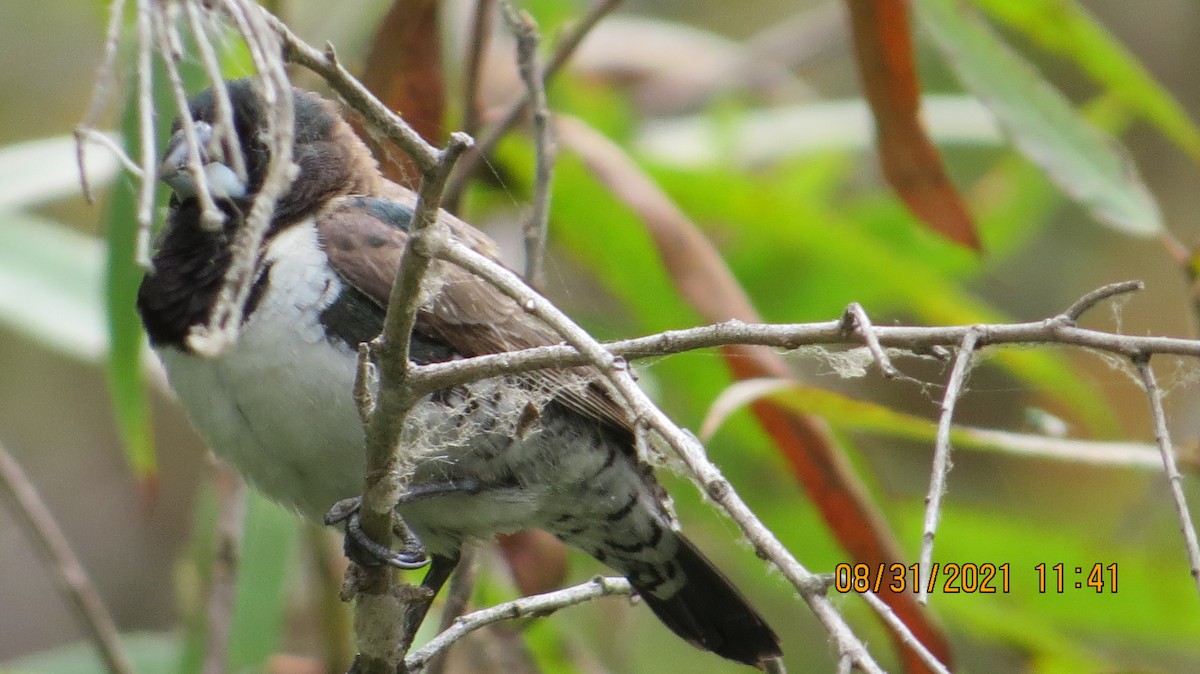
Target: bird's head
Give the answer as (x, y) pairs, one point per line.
(332, 160)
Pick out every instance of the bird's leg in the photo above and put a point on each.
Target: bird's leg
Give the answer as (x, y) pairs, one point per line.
(412, 555)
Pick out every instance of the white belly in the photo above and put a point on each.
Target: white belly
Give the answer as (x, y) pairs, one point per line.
(278, 404)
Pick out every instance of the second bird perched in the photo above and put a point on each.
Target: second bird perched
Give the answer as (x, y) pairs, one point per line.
(550, 451)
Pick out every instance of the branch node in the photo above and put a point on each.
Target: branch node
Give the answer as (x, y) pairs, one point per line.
(856, 317)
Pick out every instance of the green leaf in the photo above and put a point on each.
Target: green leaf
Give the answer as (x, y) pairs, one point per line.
(149, 652)
(50, 285)
(1085, 164)
(1066, 28)
(268, 547)
(122, 279)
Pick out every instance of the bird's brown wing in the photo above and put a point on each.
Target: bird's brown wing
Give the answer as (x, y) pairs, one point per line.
(364, 238)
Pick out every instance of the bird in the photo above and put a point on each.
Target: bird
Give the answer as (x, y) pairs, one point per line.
(550, 450)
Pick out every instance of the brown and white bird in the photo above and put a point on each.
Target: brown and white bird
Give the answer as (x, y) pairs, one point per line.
(549, 451)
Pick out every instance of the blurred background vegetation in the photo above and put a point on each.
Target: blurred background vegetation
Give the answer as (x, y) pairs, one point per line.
(807, 225)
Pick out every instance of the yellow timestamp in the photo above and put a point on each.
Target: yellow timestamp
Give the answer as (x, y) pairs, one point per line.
(947, 578)
(1059, 577)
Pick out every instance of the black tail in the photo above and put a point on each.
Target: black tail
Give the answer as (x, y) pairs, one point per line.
(711, 614)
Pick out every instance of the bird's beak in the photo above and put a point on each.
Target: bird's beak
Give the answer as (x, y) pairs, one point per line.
(223, 183)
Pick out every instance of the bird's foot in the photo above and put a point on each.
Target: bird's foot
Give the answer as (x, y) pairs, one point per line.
(365, 551)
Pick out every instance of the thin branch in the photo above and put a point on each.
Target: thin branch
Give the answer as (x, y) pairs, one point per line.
(481, 37)
(170, 48)
(231, 518)
(903, 633)
(145, 207)
(525, 30)
(223, 129)
(856, 317)
(458, 600)
(84, 135)
(380, 597)
(941, 458)
(376, 114)
(225, 318)
(535, 606)
(1054, 330)
(562, 53)
(707, 476)
(33, 515)
(1174, 479)
(1077, 308)
(105, 80)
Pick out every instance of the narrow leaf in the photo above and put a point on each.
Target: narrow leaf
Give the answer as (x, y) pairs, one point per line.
(404, 70)
(1065, 27)
(1086, 165)
(910, 162)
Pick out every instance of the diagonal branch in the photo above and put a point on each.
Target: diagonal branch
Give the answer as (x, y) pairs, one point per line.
(32, 514)
(1174, 479)
(536, 605)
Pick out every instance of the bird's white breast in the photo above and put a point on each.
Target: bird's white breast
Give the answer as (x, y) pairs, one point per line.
(278, 404)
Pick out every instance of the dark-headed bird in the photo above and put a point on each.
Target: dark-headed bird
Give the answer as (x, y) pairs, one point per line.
(550, 451)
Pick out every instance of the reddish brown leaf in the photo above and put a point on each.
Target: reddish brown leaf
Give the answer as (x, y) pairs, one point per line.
(911, 164)
(404, 70)
(704, 280)
(537, 559)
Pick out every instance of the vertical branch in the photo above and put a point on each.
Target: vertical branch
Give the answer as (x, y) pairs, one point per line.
(941, 458)
(525, 30)
(225, 320)
(562, 53)
(104, 81)
(477, 48)
(223, 129)
(171, 51)
(145, 207)
(381, 601)
(1174, 479)
(33, 515)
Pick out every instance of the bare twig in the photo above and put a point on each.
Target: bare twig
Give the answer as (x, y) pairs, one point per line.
(856, 317)
(525, 30)
(223, 129)
(1174, 479)
(376, 114)
(536, 605)
(941, 458)
(380, 599)
(481, 37)
(145, 208)
(85, 135)
(704, 473)
(105, 79)
(231, 518)
(562, 53)
(33, 515)
(225, 318)
(1054, 330)
(171, 50)
(1079, 306)
(903, 633)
